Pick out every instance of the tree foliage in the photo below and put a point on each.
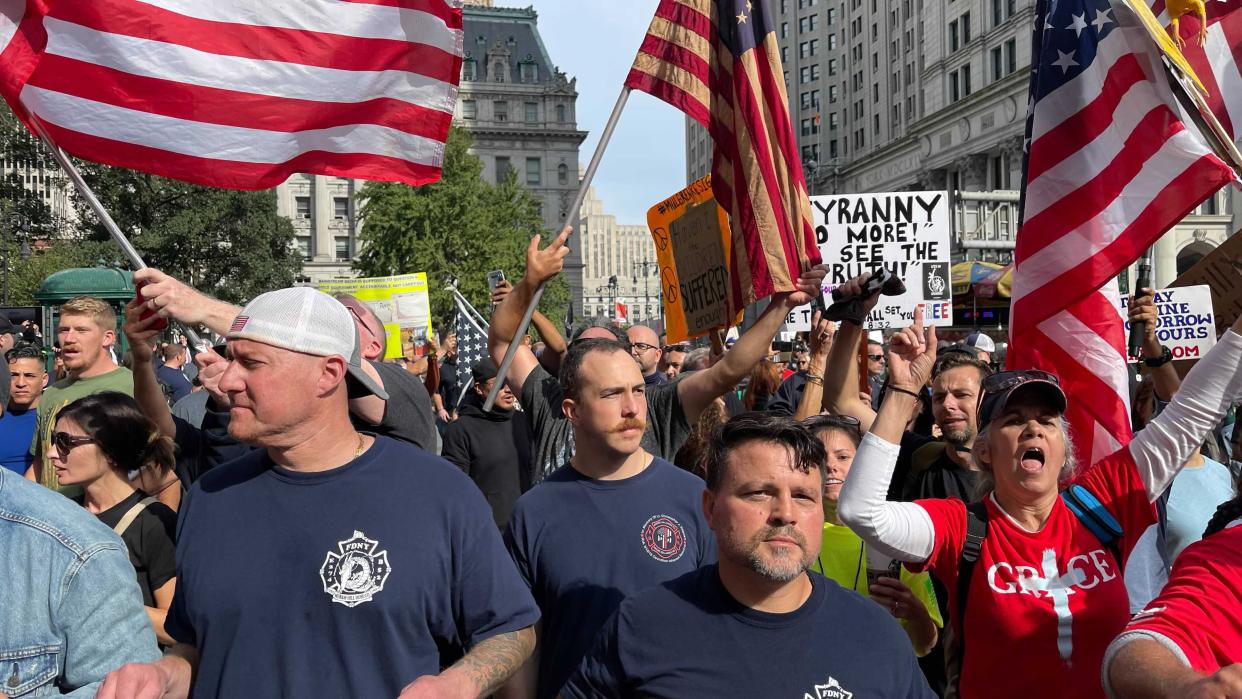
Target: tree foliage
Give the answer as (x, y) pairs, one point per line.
(27, 273)
(457, 229)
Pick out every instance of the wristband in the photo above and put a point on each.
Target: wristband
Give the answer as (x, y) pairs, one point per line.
(902, 390)
(817, 380)
(1166, 356)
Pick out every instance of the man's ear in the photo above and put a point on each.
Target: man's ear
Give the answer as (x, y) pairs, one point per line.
(570, 408)
(332, 373)
(709, 506)
(982, 452)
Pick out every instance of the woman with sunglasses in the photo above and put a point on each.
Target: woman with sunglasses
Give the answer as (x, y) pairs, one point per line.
(103, 443)
(1043, 595)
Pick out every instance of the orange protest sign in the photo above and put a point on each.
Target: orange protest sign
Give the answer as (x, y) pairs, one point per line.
(692, 240)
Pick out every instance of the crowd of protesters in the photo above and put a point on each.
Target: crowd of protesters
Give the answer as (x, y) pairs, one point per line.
(288, 514)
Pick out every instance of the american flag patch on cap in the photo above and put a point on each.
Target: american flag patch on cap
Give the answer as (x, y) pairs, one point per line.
(238, 323)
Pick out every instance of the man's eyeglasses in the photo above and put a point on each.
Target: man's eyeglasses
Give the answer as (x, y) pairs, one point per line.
(848, 422)
(1006, 380)
(65, 443)
(641, 347)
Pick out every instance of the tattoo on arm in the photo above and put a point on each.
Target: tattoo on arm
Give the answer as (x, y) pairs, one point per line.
(491, 662)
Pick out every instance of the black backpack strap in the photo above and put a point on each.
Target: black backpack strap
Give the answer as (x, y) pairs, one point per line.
(976, 532)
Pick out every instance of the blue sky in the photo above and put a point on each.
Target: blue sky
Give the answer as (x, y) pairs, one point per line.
(595, 41)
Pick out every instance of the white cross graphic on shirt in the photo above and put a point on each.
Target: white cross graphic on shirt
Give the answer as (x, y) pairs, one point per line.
(1059, 588)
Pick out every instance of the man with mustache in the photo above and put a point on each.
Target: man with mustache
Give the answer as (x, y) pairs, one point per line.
(87, 331)
(613, 521)
(757, 624)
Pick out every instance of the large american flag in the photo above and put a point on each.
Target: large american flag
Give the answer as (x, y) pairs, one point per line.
(1109, 168)
(718, 61)
(239, 93)
(1216, 62)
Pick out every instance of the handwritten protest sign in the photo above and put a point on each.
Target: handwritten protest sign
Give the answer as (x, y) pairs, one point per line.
(1221, 270)
(905, 232)
(691, 234)
(1186, 324)
(401, 303)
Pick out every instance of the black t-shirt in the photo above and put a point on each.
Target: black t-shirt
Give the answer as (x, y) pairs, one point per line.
(408, 414)
(925, 471)
(350, 582)
(541, 398)
(150, 539)
(690, 638)
(583, 545)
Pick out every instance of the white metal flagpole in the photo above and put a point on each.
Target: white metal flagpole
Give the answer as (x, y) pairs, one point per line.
(570, 216)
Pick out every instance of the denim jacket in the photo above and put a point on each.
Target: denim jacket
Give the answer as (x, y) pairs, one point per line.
(70, 609)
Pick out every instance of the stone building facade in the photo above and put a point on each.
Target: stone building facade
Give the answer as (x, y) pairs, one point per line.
(619, 265)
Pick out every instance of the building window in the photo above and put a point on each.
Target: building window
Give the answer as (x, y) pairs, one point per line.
(955, 93)
(303, 243)
(833, 151)
(529, 72)
(340, 208)
(532, 111)
(498, 72)
(342, 249)
(503, 168)
(469, 69)
(469, 109)
(560, 114)
(833, 122)
(965, 28)
(501, 110)
(998, 65)
(302, 206)
(954, 41)
(1011, 56)
(534, 172)
(832, 42)
(832, 16)
(562, 174)
(784, 30)
(965, 80)
(832, 66)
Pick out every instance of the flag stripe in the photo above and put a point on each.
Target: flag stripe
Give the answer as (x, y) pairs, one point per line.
(298, 47)
(1224, 69)
(242, 145)
(361, 20)
(677, 77)
(656, 51)
(229, 107)
(670, 93)
(440, 9)
(1067, 100)
(240, 175)
(181, 64)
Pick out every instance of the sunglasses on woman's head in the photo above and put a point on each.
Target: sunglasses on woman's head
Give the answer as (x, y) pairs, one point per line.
(1006, 380)
(848, 422)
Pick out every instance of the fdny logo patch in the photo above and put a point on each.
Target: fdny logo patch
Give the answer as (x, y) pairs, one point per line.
(664, 538)
(356, 571)
(831, 690)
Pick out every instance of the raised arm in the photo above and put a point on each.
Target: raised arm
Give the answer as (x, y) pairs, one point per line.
(541, 265)
(147, 389)
(555, 343)
(1164, 379)
(170, 298)
(902, 530)
(1212, 386)
(841, 377)
(699, 389)
(822, 332)
(481, 672)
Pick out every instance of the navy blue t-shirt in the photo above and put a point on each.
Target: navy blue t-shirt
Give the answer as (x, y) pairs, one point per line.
(351, 582)
(690, 638)
(176, 386)
(583, 545)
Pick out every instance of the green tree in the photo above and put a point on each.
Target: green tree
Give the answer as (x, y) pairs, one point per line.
(459, 228)
(26, 274)
(231, 244)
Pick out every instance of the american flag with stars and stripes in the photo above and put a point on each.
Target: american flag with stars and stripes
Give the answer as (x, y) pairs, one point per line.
(1216, 60)
(718, 61)
(471, 345)
(1109, 168)
(239, 93)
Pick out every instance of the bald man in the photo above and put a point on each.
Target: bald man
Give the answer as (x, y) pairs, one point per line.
(645, 346)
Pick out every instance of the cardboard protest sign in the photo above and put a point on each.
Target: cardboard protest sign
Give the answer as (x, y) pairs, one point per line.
(692, 240)
(906, 232)
(1186, 324)
(1221, 270)
(402, 304)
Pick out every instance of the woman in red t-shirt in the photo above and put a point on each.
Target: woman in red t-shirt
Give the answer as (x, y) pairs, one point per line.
(1045, 596)
(1188, 642)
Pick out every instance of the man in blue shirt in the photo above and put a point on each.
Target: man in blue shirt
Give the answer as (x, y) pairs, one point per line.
(614, 521)
(27, 379)
(170, 375)
(330, 562)
(757, 624)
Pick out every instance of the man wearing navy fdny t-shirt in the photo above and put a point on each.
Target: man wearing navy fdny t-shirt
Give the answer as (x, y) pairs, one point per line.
(612, 522)
(757, 624)
(330, 562)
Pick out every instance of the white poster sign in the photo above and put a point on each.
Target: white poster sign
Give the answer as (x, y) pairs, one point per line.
(1186, 323)
(905, 232)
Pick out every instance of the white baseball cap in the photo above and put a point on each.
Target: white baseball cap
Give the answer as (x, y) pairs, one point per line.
(309, 321)
(980, 342)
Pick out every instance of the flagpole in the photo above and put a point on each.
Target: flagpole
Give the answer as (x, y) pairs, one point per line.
(570, 215)
(75, 176)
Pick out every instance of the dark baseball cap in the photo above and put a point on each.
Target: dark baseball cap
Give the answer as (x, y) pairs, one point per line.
(484, 370)
(1000, 389)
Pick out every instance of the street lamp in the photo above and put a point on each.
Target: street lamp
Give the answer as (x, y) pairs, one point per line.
(648, 269)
